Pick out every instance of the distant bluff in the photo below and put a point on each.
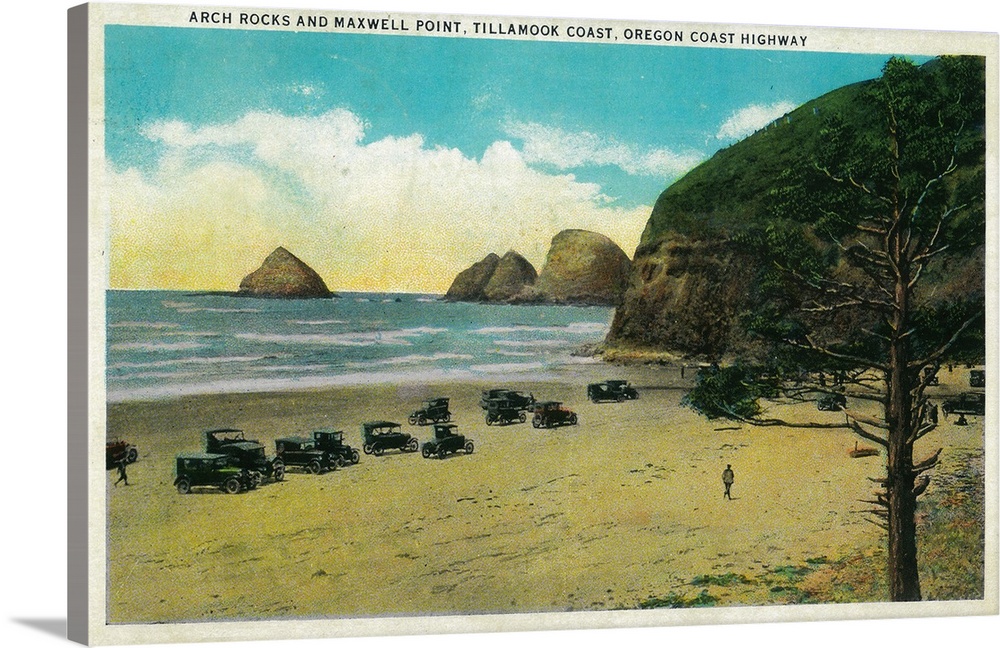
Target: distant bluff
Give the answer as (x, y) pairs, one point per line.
(581, 267)
(283, 275)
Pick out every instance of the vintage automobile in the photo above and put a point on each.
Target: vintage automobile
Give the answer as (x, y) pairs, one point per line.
(380, 436)
(246, 453)
(503, 411)
(118, 451)
(977, 378)
(516, 399)
(434, 410)
(973, 403)
(551, 414)
(611, 390)
(831, 402)
(332, 441)
(302, 452)
(212, 469)
(446, 440)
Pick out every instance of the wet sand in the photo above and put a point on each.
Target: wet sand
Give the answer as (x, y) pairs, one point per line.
(624, 506)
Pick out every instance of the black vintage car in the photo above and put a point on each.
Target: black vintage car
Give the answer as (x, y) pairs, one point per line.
(380, 436)
(302, 452)
(831, 402)
(611, 390)
(434, 410)
(977, 378)
(246, 453)
(551, 414)
(446, 440)
(517, 399)
(118, 450)
(972, 403)
(503, 411)
(333, 442)
(212, 469)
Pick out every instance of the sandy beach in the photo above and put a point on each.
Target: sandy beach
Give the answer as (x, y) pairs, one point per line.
(625, 506)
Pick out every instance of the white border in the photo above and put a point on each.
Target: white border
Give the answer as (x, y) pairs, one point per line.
(35, 60)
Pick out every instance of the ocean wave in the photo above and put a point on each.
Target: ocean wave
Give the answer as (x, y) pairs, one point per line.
(218, 310)
(508, 367)
(370, 338)
(411, 359)
(317, 322)
(191, 361)
(145, 325)
(257, 385)
(156, 346)
(574, 328)
(531, 343)
(514, 354)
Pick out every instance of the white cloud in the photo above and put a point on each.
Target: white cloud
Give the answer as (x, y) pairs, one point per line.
(569, 150)
(748, 120)
(393, 213)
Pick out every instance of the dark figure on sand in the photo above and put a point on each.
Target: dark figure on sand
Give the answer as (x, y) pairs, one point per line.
(727, 480)
(122, 476)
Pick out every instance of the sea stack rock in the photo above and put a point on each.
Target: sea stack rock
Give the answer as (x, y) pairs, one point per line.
(583, 268)
(470, 284)
(284, 275)
(510, 277)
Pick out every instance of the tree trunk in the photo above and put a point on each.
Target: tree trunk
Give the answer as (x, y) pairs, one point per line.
(904, 580)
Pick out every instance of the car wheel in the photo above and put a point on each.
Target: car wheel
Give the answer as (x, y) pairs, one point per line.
(378, 450)
(278, 471)
(132, 456)
(411, 445)
(340, 461)
(355, 456)
(469, 447)
(425, 451)
(536, 421)
(183, 486)
(489, 420)
(231, 486)
(522, 417)
(572, 419)
(447, 417)
(367, 448)
(315, 467)
(441, 452)
(412, 420)
(421, 420)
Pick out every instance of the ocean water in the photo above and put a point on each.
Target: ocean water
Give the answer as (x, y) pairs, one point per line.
(164, 344)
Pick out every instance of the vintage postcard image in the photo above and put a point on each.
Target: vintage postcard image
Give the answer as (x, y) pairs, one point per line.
(418, 323)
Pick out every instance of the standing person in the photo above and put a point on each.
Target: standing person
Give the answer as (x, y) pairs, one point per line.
(727, 480)
(122, 476)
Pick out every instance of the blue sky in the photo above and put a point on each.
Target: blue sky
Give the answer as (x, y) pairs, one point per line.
(307, 139)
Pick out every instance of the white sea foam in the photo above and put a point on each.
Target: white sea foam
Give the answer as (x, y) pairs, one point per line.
(190, 361)
(369, 338)
(156, 346)
(411, 359)
(509, 367)
(145, 325)
(574, 328)
(317, 322)
(530, 343)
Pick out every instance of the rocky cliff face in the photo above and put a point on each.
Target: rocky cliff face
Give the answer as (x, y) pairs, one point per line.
(470, 284)
(512, 274)
(684, 296)
(581, 268)
(283, 275)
